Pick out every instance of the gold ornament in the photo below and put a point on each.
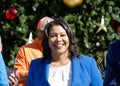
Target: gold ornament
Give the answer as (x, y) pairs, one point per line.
(101, 25)
(100, 57)
(72, 3)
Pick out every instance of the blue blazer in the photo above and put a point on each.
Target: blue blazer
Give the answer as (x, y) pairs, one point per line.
(3, 74)
(84, 72)
(112, 72)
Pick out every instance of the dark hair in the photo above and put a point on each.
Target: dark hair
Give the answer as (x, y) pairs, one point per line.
(73, 50)
(114, 24)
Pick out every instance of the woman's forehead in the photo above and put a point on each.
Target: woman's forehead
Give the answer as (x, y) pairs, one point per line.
(57, 28)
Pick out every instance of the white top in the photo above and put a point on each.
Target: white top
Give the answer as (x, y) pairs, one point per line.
(60, 76)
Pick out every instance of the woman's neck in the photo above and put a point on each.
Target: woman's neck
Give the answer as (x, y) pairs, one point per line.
(60, 60)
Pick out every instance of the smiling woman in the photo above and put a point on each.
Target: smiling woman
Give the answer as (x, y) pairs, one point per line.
(58, 41)
(62, 64)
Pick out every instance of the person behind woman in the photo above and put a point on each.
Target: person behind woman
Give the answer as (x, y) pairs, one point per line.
(3, 73)
(112, 70)
(27, 53)
(62, 64)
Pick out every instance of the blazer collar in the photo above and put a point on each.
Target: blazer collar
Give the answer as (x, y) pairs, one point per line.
(75, 71)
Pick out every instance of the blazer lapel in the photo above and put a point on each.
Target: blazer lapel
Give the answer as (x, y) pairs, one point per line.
(75, 72)
(45, 72)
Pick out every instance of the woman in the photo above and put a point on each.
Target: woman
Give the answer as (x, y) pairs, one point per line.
(62, 64)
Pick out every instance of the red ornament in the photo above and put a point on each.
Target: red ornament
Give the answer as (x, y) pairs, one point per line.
(11, 13)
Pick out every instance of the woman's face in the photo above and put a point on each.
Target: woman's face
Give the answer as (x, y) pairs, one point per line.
(58, 40)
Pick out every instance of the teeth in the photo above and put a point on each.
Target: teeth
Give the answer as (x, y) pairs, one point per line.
(59, 45)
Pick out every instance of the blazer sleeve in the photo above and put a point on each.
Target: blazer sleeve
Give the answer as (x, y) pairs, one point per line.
(110, 71)
(96, 77)
(3, 74)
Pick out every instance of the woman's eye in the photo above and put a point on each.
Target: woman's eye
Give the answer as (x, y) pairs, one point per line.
(52, 35)
(63, 35)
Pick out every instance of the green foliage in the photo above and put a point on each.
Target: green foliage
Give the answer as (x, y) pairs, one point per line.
(82, 20)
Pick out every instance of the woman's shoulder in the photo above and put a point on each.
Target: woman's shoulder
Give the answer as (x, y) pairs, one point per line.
(86, 60)
(88, 63)
(37, 63)
(38, 60)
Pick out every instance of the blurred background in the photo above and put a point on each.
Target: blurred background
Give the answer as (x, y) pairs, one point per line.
(89, 20)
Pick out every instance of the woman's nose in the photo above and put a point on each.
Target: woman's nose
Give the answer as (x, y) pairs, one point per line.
(59, 38)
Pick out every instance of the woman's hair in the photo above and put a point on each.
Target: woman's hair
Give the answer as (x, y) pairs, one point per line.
(73, 50)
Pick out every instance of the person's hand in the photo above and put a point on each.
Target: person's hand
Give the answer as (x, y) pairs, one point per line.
(13, 78)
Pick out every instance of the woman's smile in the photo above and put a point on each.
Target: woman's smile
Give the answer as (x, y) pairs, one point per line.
(59, 45)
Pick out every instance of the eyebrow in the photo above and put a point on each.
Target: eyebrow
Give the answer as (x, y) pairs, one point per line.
(57, 33)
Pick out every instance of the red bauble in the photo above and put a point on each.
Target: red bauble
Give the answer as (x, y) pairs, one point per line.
(11, 13)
